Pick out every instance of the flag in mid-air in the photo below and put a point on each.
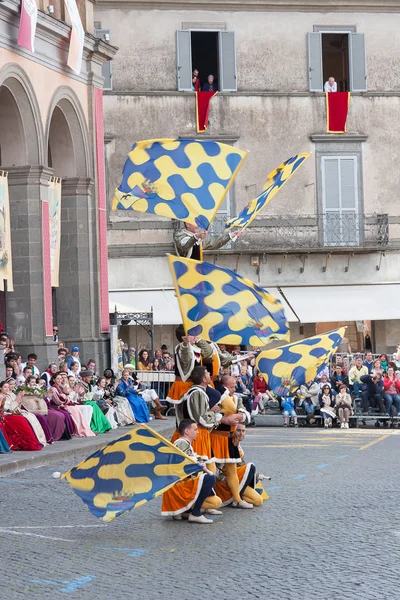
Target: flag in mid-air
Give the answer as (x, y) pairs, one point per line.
(129, 472)
(275, 181)
(179, 179)
(218, 305)
(290, 366)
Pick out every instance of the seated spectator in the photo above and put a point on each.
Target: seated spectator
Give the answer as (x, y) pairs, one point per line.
(327, 403)
(105, 402)
(210, 86)
(330, 85)
(344, 408)
(377, 367)
(396, 357)
(14, 404)
(243, 392)
(246, 378)
(368, 361)
(17, 431)
(99, 423)
(391, 392)
(74, 357)
(144, 363)
(26, 373)
(262, 394)
(62, 355)
(355, 375)
(322, 372)
(288, 410)
(309, 400)
(384, 361)
(48, 374)
(338, 378)
(31, 362)
(371, 396)
(324, 381)
(127, 389)
(74, 370)
(10, 372)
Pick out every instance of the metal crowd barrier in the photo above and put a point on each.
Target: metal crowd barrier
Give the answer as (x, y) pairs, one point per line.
(159, 381)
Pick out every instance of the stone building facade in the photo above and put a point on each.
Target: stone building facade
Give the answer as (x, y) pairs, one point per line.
(328, 244)
(51, 125)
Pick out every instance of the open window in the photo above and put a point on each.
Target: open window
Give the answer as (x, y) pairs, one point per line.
(211, 52)
(340, 55)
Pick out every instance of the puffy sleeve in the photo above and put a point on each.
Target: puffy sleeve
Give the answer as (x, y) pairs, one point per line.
(199, 410)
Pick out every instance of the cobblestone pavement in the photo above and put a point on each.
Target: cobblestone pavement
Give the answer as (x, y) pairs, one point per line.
(330, 531)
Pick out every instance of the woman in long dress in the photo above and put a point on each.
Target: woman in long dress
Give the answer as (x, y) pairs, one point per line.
(122, 407)
(31, 382)
(74, 399)
(104, 401)
(17, 430)
(60, 398)
(99, 422)
(13, 404)
(4, 447)
(126, 389)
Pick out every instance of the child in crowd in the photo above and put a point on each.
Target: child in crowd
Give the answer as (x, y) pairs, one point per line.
(288, 411)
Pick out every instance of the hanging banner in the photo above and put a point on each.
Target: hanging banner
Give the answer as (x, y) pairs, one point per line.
(55, 228)
(5, 235)
(337, 107)
(77, 37)
(27, 25)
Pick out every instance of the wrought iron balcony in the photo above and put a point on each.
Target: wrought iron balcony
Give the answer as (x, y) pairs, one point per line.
(328, 230)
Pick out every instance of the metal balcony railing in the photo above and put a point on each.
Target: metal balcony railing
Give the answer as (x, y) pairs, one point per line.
(328, 230)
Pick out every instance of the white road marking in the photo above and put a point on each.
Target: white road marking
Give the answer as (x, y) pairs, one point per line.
(45, 537)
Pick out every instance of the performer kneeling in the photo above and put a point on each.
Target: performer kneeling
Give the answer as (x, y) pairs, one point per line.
(194, 494)
(248, 478)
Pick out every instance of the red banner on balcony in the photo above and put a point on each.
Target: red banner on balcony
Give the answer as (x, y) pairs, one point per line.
(202, 109)
(337, 106)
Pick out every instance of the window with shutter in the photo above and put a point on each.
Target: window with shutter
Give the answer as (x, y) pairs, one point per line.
(227, 56)
(210, 52)
(338, 54)
(184, 60)
(358, 65)
(340, 200)
(224, 212)
(315, 80)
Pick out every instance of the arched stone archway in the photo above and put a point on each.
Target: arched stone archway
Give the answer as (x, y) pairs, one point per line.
(21, 130)
(22, 155)
(75, 305)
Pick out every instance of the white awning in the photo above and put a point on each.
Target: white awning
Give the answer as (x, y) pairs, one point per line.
(319, 304)
(164, 304)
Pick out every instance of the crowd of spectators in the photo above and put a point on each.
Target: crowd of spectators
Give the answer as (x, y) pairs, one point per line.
(70, 398)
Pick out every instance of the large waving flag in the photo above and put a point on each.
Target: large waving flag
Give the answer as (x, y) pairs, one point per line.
(288, 367)
(129, 472)
(218, 305)
(179, 179)
(275, 181)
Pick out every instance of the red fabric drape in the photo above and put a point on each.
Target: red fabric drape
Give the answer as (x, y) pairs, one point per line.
(202, 109)
(337, 106)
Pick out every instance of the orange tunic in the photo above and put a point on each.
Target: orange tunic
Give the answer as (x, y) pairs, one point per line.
(201, 445)
(182, 496)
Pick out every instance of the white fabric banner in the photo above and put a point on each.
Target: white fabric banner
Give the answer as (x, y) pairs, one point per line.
(77, 37)
(5, 235)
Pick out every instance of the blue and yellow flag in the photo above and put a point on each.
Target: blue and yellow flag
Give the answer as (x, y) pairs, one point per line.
(179, 179)
(275, 181)
(218, 305)
(129, 472)
(288, 367)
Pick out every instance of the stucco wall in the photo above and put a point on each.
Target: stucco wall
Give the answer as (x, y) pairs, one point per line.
(271, 46)
(272, 129)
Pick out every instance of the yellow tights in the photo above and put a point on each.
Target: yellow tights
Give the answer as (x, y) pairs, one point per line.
(212, 502)
(250, 495)
(232, 480)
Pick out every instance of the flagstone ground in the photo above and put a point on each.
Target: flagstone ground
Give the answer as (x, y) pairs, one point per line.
(329, 531)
